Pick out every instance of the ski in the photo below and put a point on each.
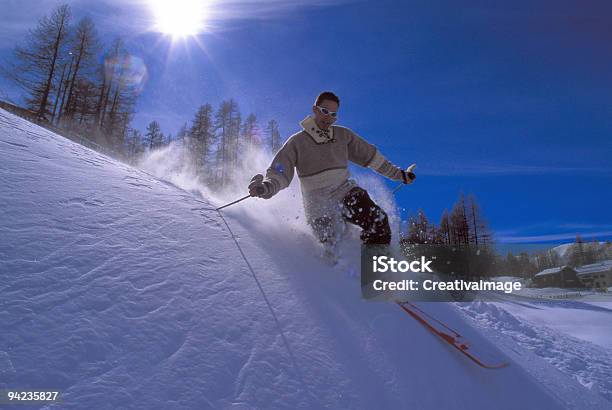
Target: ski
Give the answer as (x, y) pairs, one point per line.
(449, 335)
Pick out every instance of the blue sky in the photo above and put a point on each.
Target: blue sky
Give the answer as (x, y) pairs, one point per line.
(510, 101)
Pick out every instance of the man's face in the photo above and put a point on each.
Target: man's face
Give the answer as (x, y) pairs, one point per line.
(325, 121)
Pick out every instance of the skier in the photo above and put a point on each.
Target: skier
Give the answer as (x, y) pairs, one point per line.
(320, 152)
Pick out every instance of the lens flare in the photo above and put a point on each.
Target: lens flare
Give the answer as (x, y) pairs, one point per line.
(129, 70)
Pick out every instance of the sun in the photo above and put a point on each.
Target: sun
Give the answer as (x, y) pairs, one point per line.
(179, 18)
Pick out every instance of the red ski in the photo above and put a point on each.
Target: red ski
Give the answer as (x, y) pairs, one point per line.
(445, 333)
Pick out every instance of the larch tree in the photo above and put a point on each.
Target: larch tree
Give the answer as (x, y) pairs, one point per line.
(36, 69)
(85, 46)
(201, 137)
(273, 136)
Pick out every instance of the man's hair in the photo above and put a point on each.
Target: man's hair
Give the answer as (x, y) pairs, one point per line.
(327, 95)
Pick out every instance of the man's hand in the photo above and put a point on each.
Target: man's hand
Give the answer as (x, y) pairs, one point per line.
(408, 176)
(260, 188)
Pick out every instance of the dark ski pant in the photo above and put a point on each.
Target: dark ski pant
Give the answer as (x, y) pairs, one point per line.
(359, 209)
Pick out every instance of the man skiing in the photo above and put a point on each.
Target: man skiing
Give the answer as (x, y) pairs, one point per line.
(320, 152)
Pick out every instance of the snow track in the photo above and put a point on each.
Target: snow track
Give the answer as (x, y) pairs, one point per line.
(588, 363)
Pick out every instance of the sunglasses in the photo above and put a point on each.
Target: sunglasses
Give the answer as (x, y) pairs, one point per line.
(325, 111)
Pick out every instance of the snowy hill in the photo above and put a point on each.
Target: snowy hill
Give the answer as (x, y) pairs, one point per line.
(562, 250)
(125, 291)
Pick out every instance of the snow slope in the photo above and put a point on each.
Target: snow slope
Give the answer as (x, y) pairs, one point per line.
(125, 291)
(574, 337)
(562, 250)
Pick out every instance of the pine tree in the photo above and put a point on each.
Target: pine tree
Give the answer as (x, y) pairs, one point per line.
(154, 137)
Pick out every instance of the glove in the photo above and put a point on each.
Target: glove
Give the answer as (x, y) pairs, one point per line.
(260, 188)
(408, 176)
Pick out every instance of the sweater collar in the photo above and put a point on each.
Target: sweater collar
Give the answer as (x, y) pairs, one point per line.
(318, 135)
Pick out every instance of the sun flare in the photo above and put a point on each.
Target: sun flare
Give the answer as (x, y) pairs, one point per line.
(179, 18)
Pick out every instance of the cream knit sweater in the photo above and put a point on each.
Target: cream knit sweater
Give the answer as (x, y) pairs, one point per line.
(321, 159)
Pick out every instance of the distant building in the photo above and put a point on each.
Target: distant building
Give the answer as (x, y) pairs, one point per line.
(596, 275)
(559, 277)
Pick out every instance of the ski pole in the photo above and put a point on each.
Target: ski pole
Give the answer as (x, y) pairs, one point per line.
(397, 188)
(259, 191)
(232, 203)
(409, 169)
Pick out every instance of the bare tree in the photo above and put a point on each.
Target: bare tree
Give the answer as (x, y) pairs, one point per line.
(134, 144)
(182, 136)
(58, 70)
(273, 135)
(85, 47)
(460, 230)
(250, 132)
(419, 229)
(116, 96)
(445, 230)
(478, 231)
(201, 137)
(111, 73)
(227, 125)
(576, 252)
(38, 60)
